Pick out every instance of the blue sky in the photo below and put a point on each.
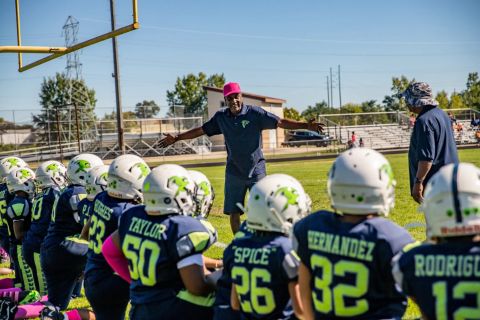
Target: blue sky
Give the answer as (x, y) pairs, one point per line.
(277, 48)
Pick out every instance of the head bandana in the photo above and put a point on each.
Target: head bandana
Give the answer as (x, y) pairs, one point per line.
(419, 94)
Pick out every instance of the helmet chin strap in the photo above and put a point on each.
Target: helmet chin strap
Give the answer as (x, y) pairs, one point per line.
(280, 220)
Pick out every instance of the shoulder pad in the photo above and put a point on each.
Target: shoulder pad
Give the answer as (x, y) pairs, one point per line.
(75, 199)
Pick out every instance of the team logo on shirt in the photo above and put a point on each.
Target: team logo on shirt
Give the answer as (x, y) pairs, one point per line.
(245, 123)
(290, 194)
(83, 165)
(180, 182)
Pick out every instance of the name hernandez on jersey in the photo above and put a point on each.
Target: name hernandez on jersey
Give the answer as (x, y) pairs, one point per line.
(443, 279)
(155, 246)
(261, 267)
(351, 263)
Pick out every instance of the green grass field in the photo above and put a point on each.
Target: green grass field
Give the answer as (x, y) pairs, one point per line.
(313, 175)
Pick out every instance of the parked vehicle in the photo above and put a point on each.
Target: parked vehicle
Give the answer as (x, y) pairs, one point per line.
(299, 138)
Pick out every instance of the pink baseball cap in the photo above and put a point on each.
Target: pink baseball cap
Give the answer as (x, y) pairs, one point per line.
(230, 88)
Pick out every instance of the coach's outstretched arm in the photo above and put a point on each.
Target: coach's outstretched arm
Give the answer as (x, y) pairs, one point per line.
(190, 134)
(293, 125)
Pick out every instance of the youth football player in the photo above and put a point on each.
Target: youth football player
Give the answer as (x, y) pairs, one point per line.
(20, 182)
(63, 256)
(50, 179)
(346, 255)
(164, 249)
(107, 293)
(443, 276)
(263, 267)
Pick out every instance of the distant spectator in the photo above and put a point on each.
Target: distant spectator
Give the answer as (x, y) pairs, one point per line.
(411, 121)
(459, 127)
(453, 120)
(477, 135)
(475, 122)
(361, 143)
(354, 137)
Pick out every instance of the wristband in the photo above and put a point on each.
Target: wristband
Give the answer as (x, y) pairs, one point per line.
(418, 181)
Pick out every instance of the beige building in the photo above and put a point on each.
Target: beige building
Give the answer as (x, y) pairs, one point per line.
(271, 139)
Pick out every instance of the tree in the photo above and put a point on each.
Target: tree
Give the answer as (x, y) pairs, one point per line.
(291, 113)
(393, 102)
(313, 112)
(472, 94)
(442, 98)
(108, 124)
(57, 94)
(457, 101)
(189, 92)
(146, 109)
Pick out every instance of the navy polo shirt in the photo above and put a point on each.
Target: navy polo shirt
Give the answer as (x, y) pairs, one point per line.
(432, 140)
(243, 138)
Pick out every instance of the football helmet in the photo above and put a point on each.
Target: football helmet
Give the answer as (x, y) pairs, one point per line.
(361, 182)
(80, 165)
(8, 164)
(451, 201)
(51, 173)
(204, 194)
(96, 181)
(125, 177)
(169, 189)
(275, 203)
(21, 179)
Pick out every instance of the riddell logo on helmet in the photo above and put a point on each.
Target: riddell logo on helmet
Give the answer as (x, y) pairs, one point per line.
(460, 230)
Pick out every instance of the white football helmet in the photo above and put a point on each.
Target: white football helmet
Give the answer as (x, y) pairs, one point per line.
(125, 177)
(21, 179)
(452, 201)
(79, 166)
(361, 182)
(275, 203)
(51, 174)
(96, 181)
(204, 194)
(8, 164)
(169, 189)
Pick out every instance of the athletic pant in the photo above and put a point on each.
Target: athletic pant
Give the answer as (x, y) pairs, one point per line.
(62, 271)
(170, 309)
(108, 296)
(32, 258)
(23, 274)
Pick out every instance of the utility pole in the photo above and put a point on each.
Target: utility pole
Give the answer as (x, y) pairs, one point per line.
(339, 87)
(328, 92)
(116, 74)
(331, 86)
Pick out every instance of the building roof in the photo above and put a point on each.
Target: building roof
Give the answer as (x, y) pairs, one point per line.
(249, 95)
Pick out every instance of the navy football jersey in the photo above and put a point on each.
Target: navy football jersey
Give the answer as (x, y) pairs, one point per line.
(41, 216)
(224, 283)
(85, 208)
(5, 198)
(261, 267)
(443, 279)
(153, 246)
(350, 265)
(18, 210)
(103, 222)
(65, 218)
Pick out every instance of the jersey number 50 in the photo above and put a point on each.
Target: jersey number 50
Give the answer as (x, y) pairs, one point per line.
(327, 299)
(143, 256)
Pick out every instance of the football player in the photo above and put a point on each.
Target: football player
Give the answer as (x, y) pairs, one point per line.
(50, 179)
(443, 276)
(107, 293)
(164, 249)
(6, 165)
(20, 182)
(263, 266)
(63, 256)
(346, 255)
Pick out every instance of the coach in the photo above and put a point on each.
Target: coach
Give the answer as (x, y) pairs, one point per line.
(432, 144)
(241, 126)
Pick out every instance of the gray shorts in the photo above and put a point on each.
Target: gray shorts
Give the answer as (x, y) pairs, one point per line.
(235, 191)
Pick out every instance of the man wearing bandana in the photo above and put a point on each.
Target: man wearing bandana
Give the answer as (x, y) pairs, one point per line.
(432, 144)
